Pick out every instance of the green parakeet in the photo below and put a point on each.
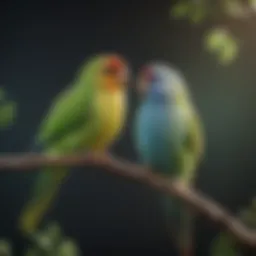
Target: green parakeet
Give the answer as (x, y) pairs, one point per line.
(88, 115)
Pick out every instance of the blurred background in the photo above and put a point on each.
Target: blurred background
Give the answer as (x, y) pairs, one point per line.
(42, 45)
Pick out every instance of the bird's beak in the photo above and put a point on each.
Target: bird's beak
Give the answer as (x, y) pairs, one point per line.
(117, 81)
(112, 84)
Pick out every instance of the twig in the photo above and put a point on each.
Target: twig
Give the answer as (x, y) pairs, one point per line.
(202, 204)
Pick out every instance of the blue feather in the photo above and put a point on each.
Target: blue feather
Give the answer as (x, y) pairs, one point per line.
(161, 131)
(154, 144)
(158, 138)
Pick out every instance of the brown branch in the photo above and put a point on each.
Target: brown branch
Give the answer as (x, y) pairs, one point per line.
(202, 204)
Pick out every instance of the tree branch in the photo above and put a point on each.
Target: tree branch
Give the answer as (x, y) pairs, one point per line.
(202, 204)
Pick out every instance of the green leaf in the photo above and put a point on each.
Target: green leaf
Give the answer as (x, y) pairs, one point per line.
(252, 4)
(223, 245)
(54, 232)
(198, 14)
(248, 215)
(229, 52)
(7, 114)
(235, 8)
(222, 44)
(214, 39)
(5, 248)
(7, 110)
(69, 248)
(47, 240)
(198, 11)
(50, 241)
(180, 10)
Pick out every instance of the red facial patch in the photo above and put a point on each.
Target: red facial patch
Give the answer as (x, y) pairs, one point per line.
(115, 64)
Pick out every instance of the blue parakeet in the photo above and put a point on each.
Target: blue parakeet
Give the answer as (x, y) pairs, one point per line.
(169, 137)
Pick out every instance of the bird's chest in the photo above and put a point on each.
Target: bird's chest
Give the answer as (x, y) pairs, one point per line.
(160, 135)
(111, 108)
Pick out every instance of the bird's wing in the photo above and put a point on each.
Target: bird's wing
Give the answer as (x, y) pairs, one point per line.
(70, 112)
(193, 147)
(194, 142)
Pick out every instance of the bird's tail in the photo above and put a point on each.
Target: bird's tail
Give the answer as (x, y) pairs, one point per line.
(172, 217)
(179, 224)
(43, 193)
(186, 233)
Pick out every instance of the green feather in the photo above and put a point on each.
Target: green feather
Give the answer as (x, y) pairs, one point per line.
(70, 126)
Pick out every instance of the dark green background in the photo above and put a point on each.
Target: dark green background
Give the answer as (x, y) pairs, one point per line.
(41, 46)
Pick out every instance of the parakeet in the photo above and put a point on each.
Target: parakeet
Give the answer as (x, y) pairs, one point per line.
(168, 134)
(88, 115)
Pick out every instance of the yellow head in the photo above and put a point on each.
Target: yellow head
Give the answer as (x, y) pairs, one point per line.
(108, 72)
